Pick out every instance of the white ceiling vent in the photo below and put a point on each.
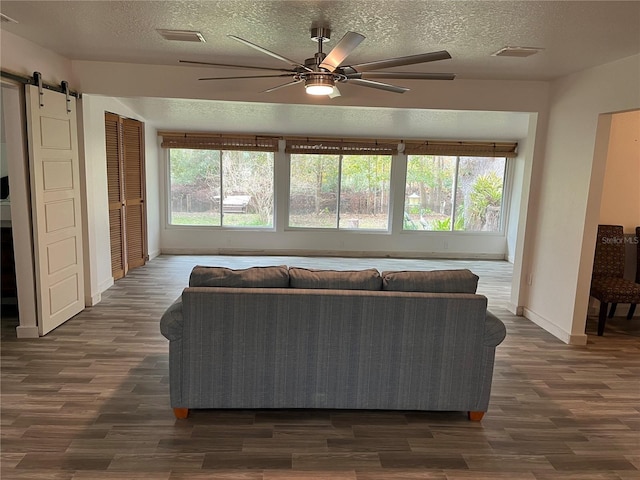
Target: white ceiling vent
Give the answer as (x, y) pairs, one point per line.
(6, 19)
(520, 52)
(182, 35)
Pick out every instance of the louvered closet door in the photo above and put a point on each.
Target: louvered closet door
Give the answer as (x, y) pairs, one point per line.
(134, 195)
(115, 191)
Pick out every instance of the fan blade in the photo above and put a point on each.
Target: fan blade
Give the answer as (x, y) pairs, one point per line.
(403, 75)
(288, 84)
(399, 61)
(269, 52)
(336, 92)
(343, 48)
(227, 65)
(378, 85)
(249, 76)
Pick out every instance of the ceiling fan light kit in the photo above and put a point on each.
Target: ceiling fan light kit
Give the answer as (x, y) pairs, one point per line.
(319, 85)
(322, 72)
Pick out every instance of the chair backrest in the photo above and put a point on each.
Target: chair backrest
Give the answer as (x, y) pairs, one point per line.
(609, 257)
(638, 255)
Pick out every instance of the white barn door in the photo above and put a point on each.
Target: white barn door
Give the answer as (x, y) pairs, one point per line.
(55, 202)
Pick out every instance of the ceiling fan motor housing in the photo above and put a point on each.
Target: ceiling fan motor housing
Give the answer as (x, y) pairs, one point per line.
(319, 79)
(320, 33)
(314, 62)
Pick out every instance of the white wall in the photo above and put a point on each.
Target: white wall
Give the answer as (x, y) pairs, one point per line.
(22, 57)
(620, 203)
(98, 246)
(128, 80)
(516, 189)
(567, 192)
(153, 189)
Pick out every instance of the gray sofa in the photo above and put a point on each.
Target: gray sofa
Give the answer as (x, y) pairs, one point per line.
(274, 337)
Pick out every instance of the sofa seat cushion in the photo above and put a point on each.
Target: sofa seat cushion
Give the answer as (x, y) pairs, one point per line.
(435, 281)
(255, 277)
(335, 279)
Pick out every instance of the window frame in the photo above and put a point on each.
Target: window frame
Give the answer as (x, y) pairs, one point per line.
(504, 205)
(398, 150)
(337, 228)
(222, 226)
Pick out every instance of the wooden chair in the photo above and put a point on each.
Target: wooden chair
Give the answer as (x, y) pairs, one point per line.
(638, 255)
(607, 282)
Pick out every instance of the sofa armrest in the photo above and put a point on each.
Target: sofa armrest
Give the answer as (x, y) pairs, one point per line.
(172, 321)
(494, 330)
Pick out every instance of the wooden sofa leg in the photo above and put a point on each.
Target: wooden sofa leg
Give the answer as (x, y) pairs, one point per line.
(181, 413)
(602, 318)
(476, 416)
(632, 310)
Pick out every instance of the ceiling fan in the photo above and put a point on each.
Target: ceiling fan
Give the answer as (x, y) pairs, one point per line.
(322, 72)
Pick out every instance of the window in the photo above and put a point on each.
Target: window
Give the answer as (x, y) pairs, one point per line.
(445, 193)
(339, 191)
(221, 188)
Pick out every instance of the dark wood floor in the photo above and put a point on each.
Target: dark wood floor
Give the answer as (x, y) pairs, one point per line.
(90, 401)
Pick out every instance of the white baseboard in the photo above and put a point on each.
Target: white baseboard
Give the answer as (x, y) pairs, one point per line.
(553, 329)
(515, 309)
(94, 298)
(27, 332)
(105, 285)
(333, 253)
(154, 254)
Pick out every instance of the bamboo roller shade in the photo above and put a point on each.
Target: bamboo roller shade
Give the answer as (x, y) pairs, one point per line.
(335, 145)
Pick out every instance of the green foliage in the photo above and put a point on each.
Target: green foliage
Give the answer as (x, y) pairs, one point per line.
(458, 224)
(432, 177)
(197, 185)
(364, 182)
(193, 166)
(408, 223)
(441, 225)
(314, 173)
(363, 173)
(207, 219)
(199, 218)
(244, 220)
(487, 192)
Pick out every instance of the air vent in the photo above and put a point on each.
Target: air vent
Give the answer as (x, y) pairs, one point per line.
(6, 19)
(182, 35)
(520, 52)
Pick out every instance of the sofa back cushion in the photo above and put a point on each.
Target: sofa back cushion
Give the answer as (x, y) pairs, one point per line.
(369, 279)
(256, 277)
(435, 281)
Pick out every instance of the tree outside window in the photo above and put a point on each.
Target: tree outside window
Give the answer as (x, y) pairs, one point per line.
(348, 192)
(430, 203)
(221, 188)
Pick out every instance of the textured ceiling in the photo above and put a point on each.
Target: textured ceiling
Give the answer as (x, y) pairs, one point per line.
(574, 36)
